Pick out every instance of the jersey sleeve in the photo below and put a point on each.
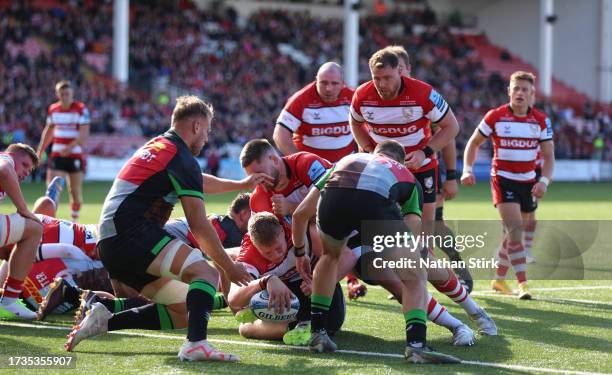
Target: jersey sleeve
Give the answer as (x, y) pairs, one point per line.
(355, 110)
(310, 168)
(323, 180)
(217, 225)
(546, 131)
(84, 117)
(7, 158)
(486, 125)
(414, 204)
(246, 256)
(435, 107)
(261, 200)
(291, 115)
(186, 177)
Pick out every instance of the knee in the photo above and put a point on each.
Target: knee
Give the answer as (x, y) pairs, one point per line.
(201, 270)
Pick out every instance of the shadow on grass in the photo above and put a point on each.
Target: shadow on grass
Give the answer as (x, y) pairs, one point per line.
(543, 326)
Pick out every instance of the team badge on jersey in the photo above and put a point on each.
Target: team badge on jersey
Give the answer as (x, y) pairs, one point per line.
(315, 171)
(428, 182)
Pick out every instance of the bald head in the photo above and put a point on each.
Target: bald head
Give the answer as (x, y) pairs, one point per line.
(329, 81)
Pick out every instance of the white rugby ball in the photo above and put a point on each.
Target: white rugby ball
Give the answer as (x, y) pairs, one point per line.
(259, 306)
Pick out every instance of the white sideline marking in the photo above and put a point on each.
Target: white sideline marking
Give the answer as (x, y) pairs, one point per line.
(277, 346)
(543, 299)
(592, 287)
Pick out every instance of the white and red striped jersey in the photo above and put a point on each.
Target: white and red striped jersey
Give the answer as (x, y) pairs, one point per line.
(83, 236)
(319, 127)
(406, 119)
(5, 156)
(515, 141)
(539, 158)
(66, 124)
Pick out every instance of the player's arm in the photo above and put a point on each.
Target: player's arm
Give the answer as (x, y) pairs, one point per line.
(283, 138)
(449, 155)
(239, 296)
(469, 157)
(302, 215)
(45, 140)
(206, 236)
(217, 185)
(548, 153)
(449, 128)
(10, 184)
(360, 133)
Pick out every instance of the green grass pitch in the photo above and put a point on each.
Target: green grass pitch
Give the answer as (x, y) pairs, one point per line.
(567, 328)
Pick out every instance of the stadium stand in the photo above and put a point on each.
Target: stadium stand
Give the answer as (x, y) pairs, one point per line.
(246, 67)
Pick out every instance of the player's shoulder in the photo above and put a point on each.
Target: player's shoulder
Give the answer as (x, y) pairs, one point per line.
(77, 105)
(416, 85)
(54, 107)
(346, 92)
(539, 115)
(303, 159)
(303, 95)
(365, 89)
(6, 157)
(250, 255)
(494, 114)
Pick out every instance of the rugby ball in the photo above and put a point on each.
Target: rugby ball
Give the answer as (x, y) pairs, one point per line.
(259, 306)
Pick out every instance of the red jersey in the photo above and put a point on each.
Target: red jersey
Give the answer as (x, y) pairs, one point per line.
(303, 170)
(515, 141)
(406, 119)
(66, 124)
(5, 156)
(319, 127)
(259, 266)
(83, 236)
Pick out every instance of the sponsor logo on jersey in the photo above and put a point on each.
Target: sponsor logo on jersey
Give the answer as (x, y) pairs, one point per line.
(369, 115)
(519, 143)
(315, 171)
(437, 100)
(332, 130)
(404, 130)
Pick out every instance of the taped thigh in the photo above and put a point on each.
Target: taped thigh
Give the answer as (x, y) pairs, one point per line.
(178, 257)
(172, 292)
(11, 229)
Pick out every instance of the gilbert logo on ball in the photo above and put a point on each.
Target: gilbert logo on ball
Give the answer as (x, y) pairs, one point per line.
(259, 306)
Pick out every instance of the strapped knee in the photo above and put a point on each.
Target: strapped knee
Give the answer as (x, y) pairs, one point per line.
(177, 259)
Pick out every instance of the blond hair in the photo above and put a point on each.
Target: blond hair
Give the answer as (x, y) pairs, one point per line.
(400, 52)
(190, 105)
(264, 227)
(22, 148)
(523, 76)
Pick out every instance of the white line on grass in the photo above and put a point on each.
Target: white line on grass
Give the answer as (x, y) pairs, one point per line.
(281, 346)
(592, 287)
(544, 299)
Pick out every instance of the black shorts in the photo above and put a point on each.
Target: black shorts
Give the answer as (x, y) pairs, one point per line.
(505, 190)
(127, 256)
(68, 164)
(430, 183)
(337, 310)
(342, 210)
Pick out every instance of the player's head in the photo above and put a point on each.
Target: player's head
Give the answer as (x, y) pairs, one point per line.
(386, 75)
(64, 93)
(329, 81)
(25, 159)
(259, 156)
(268, 236)
(240, 211)
(391, 149)
(192, 119)
(404, 59)
(521, 89)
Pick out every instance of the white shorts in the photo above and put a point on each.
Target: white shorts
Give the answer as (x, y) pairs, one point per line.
(11, 229)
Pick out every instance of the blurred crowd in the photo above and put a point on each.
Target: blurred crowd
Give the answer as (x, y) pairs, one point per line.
(246, 67)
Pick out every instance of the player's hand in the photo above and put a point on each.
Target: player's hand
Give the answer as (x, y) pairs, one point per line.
(306, 287)
(449, 189)
(280, 295)
(414, 160)
(238, 274)
(468, 179)
(253, 180)
(29, 215)
(280, 205)
(539, 189)
(302, 264)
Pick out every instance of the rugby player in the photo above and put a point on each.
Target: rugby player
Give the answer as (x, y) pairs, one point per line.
(447, 181)
(67, 129)
(315, 119)
(21, 228)
(139, 253)
(381, 184)
(516, 130)
(268, 253)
